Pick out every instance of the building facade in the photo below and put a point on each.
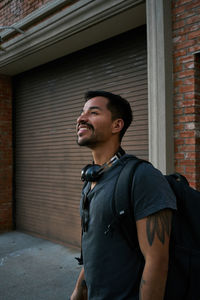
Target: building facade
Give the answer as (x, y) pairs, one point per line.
(51, 53)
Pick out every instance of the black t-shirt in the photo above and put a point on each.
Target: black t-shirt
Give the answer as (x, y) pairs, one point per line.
(112, 269)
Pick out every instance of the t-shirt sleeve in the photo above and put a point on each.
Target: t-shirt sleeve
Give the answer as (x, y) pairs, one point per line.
(151, 192)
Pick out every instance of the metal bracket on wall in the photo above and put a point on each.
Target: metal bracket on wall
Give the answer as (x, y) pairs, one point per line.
(9, 27)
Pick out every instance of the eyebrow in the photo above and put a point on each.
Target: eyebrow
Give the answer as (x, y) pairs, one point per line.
(93, 107)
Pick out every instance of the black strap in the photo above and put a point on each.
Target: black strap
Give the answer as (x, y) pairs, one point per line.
(123, 187)
(122, 200)
(80, 259)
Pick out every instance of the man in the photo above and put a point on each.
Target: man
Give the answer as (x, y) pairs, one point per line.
(111, 270)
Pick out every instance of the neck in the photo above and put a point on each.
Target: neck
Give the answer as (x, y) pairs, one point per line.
(103, 154)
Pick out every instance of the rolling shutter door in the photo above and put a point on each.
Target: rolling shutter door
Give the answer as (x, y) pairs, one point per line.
(48, 100)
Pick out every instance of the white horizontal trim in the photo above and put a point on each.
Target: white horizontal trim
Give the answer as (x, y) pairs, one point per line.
(65, 25)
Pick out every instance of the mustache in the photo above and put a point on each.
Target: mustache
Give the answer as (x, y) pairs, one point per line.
(87, 124)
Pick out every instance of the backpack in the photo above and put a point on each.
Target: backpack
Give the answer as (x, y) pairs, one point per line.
(183, 280)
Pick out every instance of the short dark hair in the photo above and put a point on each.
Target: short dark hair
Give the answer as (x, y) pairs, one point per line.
(118, 106)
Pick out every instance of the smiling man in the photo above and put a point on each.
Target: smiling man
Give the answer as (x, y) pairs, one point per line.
(111, 269)
(97, 130)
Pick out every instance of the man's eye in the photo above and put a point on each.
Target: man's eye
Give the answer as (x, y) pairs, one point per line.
(94, 112)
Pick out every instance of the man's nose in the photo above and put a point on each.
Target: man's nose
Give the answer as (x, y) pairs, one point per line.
(82, 118)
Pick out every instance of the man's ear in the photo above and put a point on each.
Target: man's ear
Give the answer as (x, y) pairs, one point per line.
(118, 124)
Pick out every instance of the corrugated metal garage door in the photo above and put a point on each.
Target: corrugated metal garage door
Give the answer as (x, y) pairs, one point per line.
(48, 100)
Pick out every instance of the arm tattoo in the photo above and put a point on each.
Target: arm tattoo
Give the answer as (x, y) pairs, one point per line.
(160, 224)
(141, 285)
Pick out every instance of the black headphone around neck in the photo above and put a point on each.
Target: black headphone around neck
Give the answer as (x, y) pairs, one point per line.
(93, 172)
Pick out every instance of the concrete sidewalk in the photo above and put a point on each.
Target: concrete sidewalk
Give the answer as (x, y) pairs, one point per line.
(35, 269)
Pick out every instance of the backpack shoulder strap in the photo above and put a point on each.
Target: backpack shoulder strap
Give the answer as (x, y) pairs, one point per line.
(123, 185)
(122, 205)
(80, 259)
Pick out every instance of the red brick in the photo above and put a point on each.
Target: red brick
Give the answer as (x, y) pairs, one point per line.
(190, 169)
(179, 127)
(189, 110)
(184, 45)
(194, 48)
(178, 98)
(191, 177)
(190, 141)
(189, 99)
(5, 153)
(186, 59)
(187, 134)
(191, 28)
(191, 155)
(189, 81)
(187, 162)
(179, 155)
(178, 82)
(185, 73)
(194, 34)
(194, 4)
(179, 24)
(186, 88)
(179, 141)
(179, 40)
(178, 111)
(189, 65)
(186, 148)
(183, 15)
(180, 2)
(180, 53)
(193, 19)
(178, 10)
(177, 67)
(180, 169)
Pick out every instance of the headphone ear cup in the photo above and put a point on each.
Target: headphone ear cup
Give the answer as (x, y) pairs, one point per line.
(83, 172)
(91, 173)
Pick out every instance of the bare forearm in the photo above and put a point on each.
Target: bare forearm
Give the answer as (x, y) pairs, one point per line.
(80, 291)
(154, 235)
(153, 282)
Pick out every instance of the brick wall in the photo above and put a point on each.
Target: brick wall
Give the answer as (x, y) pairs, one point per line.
(6, 222)
(15, 10)
(186, 44)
